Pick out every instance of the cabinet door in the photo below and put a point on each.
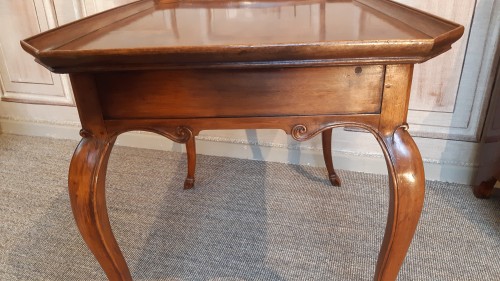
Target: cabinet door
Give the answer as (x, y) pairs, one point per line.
(22, 79)
(449, 92)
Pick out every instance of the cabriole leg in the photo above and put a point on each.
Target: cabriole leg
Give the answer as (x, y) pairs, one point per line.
(326, 138)
(407, 184)
(191, 157)
(87, 174)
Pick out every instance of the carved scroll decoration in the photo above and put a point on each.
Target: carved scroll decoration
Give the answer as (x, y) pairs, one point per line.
(85, 134)
(182, 134)
(299, 132)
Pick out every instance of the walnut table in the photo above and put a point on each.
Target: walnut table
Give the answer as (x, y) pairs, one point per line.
(178, 67)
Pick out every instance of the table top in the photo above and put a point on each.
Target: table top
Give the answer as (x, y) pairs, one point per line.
(194, 33)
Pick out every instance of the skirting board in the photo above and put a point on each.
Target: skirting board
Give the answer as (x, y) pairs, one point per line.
(435, 169)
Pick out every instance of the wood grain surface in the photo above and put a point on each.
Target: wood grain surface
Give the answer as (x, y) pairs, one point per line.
(241, 93)
(371, 32)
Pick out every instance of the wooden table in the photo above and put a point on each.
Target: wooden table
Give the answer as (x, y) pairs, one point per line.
(300, 66)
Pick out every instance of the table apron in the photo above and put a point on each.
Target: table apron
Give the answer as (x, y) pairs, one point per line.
(241, 92)
(300, 127)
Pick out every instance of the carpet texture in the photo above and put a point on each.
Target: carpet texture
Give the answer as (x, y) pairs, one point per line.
(245, 220)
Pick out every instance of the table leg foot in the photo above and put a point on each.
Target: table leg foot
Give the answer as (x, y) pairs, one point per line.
(326, 138)
(334, 180)
(87, 174)
(485, 189)
(188, 183)
(191, 157)
(407, 184)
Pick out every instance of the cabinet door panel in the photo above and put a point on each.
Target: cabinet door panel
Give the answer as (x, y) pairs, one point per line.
(22, 78)
(435, 83)
(20, 66)
(449, 92)
(66, 11)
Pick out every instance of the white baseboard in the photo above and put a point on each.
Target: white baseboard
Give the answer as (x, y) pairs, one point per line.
(347, 155)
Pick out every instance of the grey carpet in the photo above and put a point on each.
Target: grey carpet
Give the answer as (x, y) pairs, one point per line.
(245, 220)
